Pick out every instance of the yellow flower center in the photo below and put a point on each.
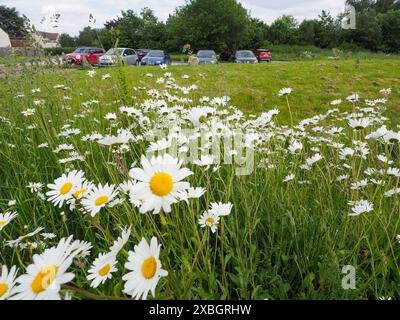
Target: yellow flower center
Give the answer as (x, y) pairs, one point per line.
(77, 193)
(161, 184)
(3, 289)
(149, 268)
(210, 221)
(65, 188)
(44, 278)
(101, 200)
(3, 222)
(105, 270)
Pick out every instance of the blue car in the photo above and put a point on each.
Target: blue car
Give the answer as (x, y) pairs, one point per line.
(156, 58)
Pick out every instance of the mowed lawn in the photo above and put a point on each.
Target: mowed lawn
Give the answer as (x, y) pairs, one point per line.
(252, 88)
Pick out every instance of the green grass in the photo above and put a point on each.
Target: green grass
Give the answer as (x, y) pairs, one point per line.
(179, 57)
(301, 52)
(281, 241)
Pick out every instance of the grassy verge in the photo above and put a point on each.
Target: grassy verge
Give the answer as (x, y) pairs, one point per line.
(289, 233)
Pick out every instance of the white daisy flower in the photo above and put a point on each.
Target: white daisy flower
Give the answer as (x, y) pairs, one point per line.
(353, 98)
(45, 276)
(204, 161)
(35, 186)
(91, 73)
(158, 183)
(336, 102)
(295, 147)
(221, 209)
(359, 124)
(98, 197)
(7, 282)
(110, 116)
(102, 269)
(64, 187)
(191, 193)
(391, 137)
(386, 92)
(384, 159)
(146, 269)
(48, 235)
(342, 177)
(392, 192)
(6, 218)
(315, 158)
(289, 177)
(393, 172)
(209, 219)
(359, 184)
(121, 241)
(16, 242)
(359, 207)
(285, 92)
(80, 248)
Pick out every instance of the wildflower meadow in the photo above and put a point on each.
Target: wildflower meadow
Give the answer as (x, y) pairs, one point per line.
(166, 183)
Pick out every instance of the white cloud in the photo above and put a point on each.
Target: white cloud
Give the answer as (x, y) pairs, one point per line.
(75, 13)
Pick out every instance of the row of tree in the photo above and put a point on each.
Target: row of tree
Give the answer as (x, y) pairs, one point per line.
(227, 25)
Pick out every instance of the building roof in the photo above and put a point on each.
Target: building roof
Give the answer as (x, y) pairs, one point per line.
(49, 35)
(18, 43)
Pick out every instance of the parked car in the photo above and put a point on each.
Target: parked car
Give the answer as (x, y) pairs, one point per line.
(245, 56)
(263, 55)
(128, 57)
(227, 56)
(206, 57)
(155, 58)
(142, 53)
(91, 54)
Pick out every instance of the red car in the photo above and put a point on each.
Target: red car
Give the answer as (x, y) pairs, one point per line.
(91, 54)
(263, 55)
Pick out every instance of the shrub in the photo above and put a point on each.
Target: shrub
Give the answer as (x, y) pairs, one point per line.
(58, 51)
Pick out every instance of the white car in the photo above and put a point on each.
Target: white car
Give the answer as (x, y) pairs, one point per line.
(128, 57)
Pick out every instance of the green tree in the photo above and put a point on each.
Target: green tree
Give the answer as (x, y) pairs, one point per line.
(88, 37)
(214, 24)
(11, 22)
(284, 30)
(66, 40)
(153, 30)
(327, 31)
(368, 32)
(130, 28)
(308, 31)
(390, 24)
(257, 32)
(379, 5)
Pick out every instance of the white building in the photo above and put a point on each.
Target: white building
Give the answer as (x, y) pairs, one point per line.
(4, 39)
(46, 39)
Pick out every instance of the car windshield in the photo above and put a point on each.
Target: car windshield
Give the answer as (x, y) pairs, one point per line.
(205, 54)
(156, 54)
(82, 50)
(111, 52)
(245, 54)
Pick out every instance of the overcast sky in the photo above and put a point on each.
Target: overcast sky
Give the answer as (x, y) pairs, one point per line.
(75, 13)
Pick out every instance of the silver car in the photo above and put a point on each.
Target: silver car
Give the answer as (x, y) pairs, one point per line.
(128, 57)
(207, 57)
